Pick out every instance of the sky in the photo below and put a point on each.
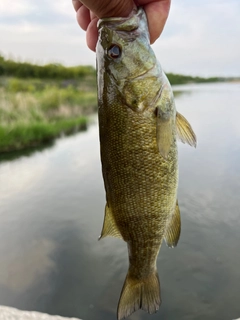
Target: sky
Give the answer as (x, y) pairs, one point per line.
(201, 37)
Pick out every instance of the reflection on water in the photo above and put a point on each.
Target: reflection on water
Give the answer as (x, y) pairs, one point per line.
(51, 211)
(21, 272)
(9, 156)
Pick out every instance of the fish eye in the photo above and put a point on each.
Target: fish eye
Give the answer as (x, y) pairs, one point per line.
(114, 51)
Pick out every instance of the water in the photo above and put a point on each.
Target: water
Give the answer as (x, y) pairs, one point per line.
(51, 211)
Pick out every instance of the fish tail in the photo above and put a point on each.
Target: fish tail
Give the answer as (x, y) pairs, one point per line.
(139, 294)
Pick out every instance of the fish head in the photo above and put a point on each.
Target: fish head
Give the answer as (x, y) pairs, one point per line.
(126, 60)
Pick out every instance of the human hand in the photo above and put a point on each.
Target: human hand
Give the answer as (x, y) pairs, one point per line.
(89, 12)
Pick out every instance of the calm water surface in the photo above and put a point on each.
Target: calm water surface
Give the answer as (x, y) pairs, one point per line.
(51, 213)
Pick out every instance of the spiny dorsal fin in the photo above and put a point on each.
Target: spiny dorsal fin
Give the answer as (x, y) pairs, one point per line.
(172, 234)
(184, 131)
(164, 135)
(109, 225)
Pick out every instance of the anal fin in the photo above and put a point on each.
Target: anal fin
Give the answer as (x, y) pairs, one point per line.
(173, 231)
(109, 225)
(184, 130)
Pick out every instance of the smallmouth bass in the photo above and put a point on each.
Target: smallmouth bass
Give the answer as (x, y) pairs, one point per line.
(138, 127)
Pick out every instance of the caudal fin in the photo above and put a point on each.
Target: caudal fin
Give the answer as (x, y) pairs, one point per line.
(139, 294)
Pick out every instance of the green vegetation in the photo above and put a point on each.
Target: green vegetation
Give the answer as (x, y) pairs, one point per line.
(23, 135)
(35, 111)
(32, 117)
(183, 79)
(12, 68)
(39, 103)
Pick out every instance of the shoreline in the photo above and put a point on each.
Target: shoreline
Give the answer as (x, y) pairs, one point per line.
(37, 111)
(39, 134)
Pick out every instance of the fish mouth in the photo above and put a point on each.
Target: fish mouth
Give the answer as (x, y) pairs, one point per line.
(129, 23)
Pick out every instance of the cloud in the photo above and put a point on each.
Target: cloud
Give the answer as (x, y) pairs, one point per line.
(200, 37)
(19, 8)
(41, 13)
(46, 33)
(62, 7)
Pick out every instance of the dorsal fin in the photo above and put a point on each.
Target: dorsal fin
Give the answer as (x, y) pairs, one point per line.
(109, 225)
(185, 132)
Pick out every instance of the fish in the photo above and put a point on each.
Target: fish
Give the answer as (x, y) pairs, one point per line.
(138, 130)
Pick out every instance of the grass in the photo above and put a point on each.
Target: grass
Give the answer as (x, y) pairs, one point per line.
(34, 111)
(23, 135)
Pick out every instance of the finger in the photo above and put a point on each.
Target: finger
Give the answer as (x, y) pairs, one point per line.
(92, 34)
(93, 15)
(83, 17)
(76, 4)
(157, 13)
(120, 8)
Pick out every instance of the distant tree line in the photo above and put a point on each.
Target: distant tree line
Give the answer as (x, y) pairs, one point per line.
(13, 68)
(182, 79)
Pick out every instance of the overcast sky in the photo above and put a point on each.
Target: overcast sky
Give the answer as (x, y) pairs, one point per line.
(201, 37)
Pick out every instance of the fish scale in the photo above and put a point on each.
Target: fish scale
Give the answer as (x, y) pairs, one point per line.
(138, 132)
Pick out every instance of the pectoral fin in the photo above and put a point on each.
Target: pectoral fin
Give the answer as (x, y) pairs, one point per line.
(109, 225)
(172, 234)
(184, 131)
(164, 135)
